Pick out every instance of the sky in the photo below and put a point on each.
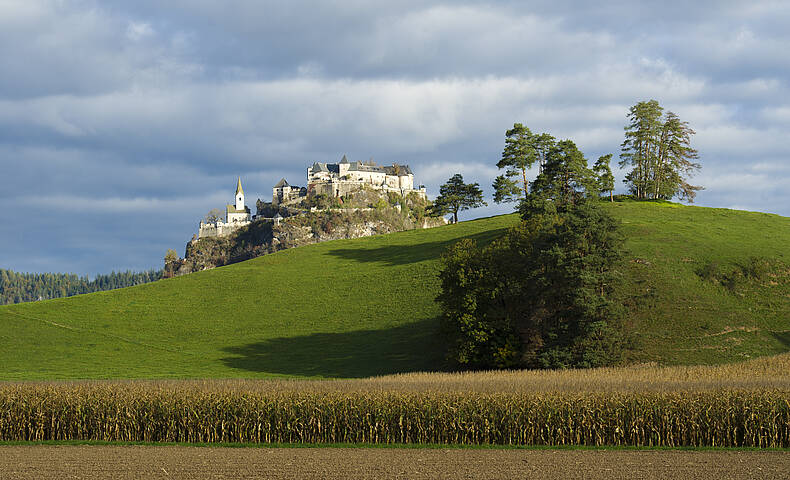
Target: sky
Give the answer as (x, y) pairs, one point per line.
(123, 123)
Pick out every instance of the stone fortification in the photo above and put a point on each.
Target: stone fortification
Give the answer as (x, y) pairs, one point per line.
(343, 178)
(331, 180)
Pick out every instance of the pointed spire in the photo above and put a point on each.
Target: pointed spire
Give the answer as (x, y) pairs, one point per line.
(344, 159)
(238, 188)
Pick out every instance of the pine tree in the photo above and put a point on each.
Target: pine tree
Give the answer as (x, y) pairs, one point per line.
(604, 175)
(658, 148)
(455, 196)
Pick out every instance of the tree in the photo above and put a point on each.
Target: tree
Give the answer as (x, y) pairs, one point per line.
(519, 154)
(505, 189)
(214, 215)
(455, 196)
(538, 297)
(565, 177)
(542, 144)
(604, 175)
(26, 287)
(658, 148)
(522, 150)
(171, 263)
(674, 164)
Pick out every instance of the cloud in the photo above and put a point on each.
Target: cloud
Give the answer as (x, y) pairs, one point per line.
(137, 31)
(129, 120)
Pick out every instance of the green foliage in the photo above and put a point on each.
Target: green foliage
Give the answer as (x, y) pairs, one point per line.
(522, 150)
(740, 276)
(171, 263)
(16, 287)
(658, 147)
(538, 297)
(355, 308)
(455, 196)
(321, 201)
(565, 177)
(603, 173)
(506, 190)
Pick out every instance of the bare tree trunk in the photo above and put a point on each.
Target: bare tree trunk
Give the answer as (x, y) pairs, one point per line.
(524, 178)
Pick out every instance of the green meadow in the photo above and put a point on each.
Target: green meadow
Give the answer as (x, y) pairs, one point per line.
(357, 308)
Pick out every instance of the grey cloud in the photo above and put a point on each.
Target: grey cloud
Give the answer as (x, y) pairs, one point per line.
(127, 121)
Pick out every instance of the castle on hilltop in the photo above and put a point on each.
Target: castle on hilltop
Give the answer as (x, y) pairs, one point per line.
(236, 216)
(329, 179)
(338, 179)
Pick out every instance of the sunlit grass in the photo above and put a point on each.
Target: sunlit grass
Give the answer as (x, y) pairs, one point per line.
(365, 307)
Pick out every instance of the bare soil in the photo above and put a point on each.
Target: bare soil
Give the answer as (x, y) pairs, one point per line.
(154, 462)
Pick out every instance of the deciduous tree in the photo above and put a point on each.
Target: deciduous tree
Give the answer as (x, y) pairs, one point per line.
(214, 215)
(171, 263)
(538, 297)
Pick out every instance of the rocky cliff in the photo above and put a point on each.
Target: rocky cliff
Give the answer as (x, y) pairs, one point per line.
(266, 236)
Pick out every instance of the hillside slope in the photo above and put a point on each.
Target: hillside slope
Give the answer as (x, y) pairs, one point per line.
(354, 308)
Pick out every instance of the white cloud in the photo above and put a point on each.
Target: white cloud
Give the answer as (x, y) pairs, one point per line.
(123, 109)
(137, 31)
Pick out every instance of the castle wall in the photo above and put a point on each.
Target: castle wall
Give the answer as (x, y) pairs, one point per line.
(218, 229)
(336, 186)
(238, 217)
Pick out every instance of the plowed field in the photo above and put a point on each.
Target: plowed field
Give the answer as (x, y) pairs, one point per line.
(133, 462)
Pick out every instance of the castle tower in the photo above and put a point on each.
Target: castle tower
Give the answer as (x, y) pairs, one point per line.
(239, 196)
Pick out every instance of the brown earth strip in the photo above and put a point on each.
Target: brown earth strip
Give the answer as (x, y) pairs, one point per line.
(133, 462)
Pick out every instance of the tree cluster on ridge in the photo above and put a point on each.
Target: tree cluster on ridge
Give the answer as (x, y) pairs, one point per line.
(541, 295)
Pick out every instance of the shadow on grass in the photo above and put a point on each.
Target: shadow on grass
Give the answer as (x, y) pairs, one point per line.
(406, 254)
(408, 348)
(783, 338)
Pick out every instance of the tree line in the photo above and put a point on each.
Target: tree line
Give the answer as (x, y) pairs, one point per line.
(16, 287)
(657, 148)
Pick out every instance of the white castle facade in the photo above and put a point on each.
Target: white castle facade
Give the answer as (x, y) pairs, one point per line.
(338, 179)
(236, 216)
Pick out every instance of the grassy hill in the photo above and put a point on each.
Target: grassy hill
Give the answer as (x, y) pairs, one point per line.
(355, 308)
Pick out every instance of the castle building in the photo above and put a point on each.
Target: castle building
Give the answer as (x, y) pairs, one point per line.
(284, 192)
(338, 179)
(330, 179)
(236, 216)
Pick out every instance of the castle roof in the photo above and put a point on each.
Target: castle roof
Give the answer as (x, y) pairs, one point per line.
(319, 167)
(361, 167)
(232, 209)
(401, 169)
(239, 190)
(357, 166)
(282, 183)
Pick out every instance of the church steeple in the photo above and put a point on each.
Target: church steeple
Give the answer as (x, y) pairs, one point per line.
(239, 196)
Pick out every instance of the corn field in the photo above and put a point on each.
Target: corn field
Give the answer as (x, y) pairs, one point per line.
(197, 413)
